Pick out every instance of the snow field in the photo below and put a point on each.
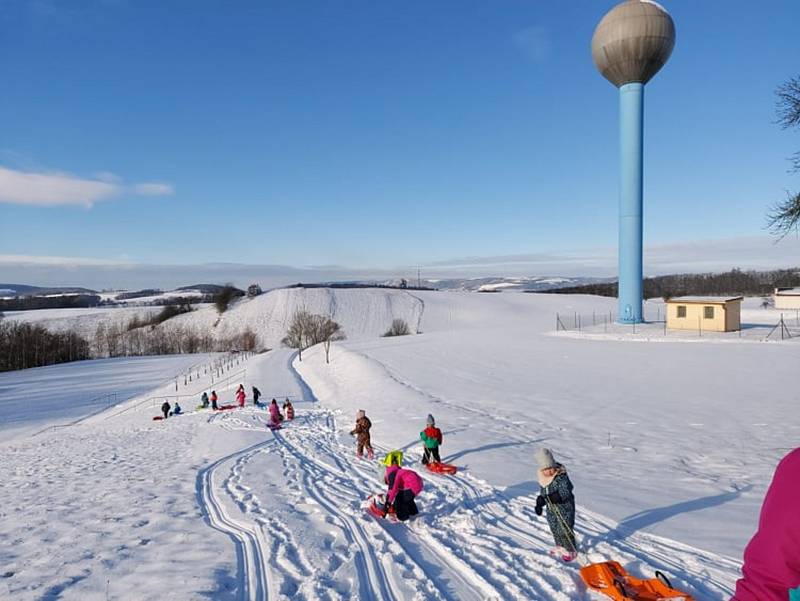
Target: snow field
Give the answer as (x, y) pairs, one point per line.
(665, 443)
(34, 399)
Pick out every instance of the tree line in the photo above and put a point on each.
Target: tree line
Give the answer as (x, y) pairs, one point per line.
(70, 301)
(24, 345)
(735, 283)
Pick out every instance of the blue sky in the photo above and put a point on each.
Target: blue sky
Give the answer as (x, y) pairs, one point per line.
(375, 135)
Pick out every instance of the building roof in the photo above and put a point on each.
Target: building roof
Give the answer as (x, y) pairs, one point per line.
(787, 291)
(705, 300)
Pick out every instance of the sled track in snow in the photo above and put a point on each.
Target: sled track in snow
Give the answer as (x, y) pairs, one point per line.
(408, 545)
(470, 542)
(252, 578)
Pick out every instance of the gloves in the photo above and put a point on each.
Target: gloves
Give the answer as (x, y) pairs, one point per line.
(540, 503)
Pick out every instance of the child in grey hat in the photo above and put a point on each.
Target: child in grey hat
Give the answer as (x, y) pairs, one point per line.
(431, 437)
(556, 494)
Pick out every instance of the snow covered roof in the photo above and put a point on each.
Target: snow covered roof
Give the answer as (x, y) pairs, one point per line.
(787, 291)
(705, 300)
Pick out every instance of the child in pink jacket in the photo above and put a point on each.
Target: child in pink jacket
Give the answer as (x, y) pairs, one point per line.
(404, 485)
(240, 395)
(771, 570)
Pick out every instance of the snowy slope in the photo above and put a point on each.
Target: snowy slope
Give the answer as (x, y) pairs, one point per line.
(363, 313)
(674, 438)
(670, 447)
(33, 399)
(83, 321)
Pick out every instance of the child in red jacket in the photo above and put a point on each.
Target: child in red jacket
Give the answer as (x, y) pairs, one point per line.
(431, 436)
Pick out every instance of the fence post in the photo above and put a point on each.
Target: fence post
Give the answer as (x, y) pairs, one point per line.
(579, 323)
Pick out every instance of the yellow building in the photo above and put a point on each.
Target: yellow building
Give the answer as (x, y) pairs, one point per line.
(786, 298)
(704, 313)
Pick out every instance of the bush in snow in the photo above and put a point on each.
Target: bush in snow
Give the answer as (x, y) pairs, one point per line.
(224, 297)
(399, 328)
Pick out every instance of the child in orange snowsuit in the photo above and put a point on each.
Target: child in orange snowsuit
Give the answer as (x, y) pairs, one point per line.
(361, 431)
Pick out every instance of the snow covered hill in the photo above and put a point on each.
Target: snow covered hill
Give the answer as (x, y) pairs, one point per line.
(670, 446)
(363, 313)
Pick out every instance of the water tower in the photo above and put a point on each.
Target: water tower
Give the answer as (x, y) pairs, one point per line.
(630, 45)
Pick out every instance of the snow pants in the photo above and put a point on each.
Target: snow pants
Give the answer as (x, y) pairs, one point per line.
(428, 453)
(165, 412)
(404, 505)
(561, 519)
(363, 442)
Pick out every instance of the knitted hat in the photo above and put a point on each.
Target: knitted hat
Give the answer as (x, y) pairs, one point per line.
(544, 458)
(431, 420)
(361, 413)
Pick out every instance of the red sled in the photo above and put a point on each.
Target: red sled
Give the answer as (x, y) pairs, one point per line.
(612, 580)
(158, 418)
(441, 468)
(226, 407)
(377, 512)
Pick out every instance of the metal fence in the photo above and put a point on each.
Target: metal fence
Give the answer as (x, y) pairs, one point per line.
(655, 326)
(219, 370)
(574, 321)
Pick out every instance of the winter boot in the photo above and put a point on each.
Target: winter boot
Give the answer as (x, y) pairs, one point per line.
(370, 454)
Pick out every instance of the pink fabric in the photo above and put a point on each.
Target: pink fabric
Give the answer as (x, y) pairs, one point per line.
(772, 559)
(404, 480)
(274, 412)
(240, 394)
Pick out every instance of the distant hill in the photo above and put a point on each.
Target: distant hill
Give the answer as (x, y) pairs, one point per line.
(205, 288)
(24, 290)
(517, 284)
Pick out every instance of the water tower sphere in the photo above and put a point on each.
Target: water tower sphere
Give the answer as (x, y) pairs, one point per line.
(633, 41)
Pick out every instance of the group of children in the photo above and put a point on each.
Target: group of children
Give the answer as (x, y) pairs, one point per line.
(276, 417)
(555, 487)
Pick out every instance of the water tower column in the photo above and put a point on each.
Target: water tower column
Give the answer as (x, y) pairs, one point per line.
(631, 121)
(630, 45)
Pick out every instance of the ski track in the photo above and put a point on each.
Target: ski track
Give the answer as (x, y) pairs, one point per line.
(469, 542)
(253, 581)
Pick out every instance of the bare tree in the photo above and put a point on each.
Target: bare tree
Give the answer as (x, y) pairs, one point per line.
(308, 329)
(299, 328)
(327, 331)
(784, 217)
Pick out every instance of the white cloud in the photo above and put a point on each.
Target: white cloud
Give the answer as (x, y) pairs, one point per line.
(153, 189)
(52, 189)
(55, 188)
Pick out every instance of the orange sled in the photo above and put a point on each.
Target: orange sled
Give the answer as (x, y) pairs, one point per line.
(441, 468)
(612, 580)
